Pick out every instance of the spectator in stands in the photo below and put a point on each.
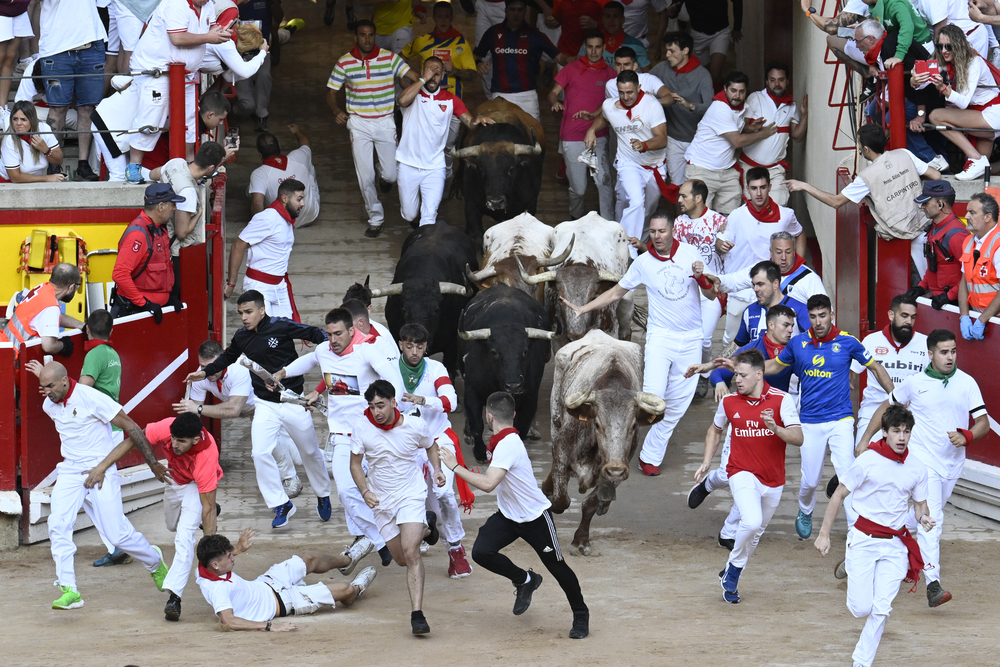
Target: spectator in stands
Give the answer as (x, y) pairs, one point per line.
(691, 94)
(71, 42)
(711, 32)
(904, 26)
(723, 130)
(964, 15)
(943, 248)
(615, 37)
(576, 18)
(38, 315)
(124, 32)
(115, 112)
(278, 167)
(213, 109)
(583, 82)
(966, 81)
(234, 61)
(28, 149)
(253, 93)
(32, 89)
(980, 290)
(775, 105)
(853, 12)
(12, 29)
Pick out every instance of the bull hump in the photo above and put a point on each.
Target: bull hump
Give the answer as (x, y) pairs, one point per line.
(503, 111)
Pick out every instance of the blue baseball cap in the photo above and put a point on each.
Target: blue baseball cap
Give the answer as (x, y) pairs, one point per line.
(934, 189)
(157, 193)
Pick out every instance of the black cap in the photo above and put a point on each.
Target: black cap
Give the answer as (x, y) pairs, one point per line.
(157, 193)
(934, 189)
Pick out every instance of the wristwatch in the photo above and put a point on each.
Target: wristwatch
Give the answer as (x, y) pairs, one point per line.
(810, 11)
(920, 112)
(200, 408)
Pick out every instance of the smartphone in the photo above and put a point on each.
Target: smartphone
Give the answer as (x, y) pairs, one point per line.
(233, 138)
(926, 67)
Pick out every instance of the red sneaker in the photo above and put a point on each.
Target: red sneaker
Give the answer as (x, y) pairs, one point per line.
(561, 174)
(648, 469)
(458, 566)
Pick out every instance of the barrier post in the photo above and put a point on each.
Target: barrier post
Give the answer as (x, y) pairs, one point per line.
(178, 115)
(897, 109)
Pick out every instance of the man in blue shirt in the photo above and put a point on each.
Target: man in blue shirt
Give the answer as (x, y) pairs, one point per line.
(821, 358)
(765, 278)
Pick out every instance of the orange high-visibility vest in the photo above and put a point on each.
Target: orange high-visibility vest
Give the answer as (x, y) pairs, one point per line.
(18, 328)
(980, 274)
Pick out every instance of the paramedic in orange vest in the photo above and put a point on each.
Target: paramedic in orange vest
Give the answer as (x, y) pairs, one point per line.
(980, 290)
(144, 273)
(38, 315)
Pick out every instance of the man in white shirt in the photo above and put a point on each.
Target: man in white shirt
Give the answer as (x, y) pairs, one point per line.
(797, 280)
(277, 168)
(939, 13)
(641, 132)
(394, 486)
(626, 59)
(673, 273)
(942, 399)
(721, 131)
(83, 417)
(776, 106)
(269, 237)
(522, 512)
(379, 334)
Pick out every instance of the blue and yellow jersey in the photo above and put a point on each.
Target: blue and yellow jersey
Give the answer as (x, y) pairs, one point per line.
(448, 47)
(824, 374)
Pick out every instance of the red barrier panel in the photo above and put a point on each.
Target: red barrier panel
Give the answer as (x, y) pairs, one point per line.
(177, 113)
(8, 434)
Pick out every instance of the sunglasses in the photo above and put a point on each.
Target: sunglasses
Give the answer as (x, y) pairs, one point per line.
(943, 47)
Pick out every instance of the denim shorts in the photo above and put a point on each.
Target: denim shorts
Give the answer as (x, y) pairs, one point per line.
(87, 90)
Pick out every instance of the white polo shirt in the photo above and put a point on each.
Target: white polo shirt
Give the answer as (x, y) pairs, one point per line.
(171, 16)
(392, 474)
(938, 409)
(271, 239)
(518, 496)
(751, 240)
(235, 382)
(64, 25)
(24, 160)
(266, 179)
(426, 122)
(648, 83)
(899, 362)
(768, 152)
(881, 488)
(701, 233)
(83, 421)
(674, 296)
(254, 599)
(709, 149)
(636, 123)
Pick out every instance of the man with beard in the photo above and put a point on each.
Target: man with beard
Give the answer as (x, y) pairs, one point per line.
(775, 105)
(38, 315)
(765, 281)
(797, 280)
(427, 113)
(269, 237)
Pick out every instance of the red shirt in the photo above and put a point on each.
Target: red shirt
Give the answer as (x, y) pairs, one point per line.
(569, 13)
(753, 447)
(584, 88)
(200, 464)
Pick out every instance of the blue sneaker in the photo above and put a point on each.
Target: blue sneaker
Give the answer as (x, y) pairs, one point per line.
(133, 174)
(118, 557)
(804, 525)
(730, 580)
(281, 514)
(323, 508)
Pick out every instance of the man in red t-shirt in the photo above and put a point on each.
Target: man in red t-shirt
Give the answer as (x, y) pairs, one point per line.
(189, 501)
(576, 18)
(583, 82)
(763, 421)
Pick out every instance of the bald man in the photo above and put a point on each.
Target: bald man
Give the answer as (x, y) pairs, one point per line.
(83, 418)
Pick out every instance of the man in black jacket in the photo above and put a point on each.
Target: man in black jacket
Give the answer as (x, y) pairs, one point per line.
(269, 341)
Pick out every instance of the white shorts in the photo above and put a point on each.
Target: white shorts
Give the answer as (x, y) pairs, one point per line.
(124, 30)
(287, 578)
(528, 101)
(709, 44)
(15, 26)
(409, 510)
(992, 116)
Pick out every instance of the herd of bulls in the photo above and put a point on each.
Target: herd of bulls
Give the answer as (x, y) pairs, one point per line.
(498, 326)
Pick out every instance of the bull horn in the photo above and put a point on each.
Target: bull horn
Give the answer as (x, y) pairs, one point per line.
(540, 333)
(521, 149)
(573, 401)
(476, 334)
(651, 403)
(481, 275)
(561, 257)
(609, 276)
(534, 280)
(394, 289)
(454, 288)
(470, 151)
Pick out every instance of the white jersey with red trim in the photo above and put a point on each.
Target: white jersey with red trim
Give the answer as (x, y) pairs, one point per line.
(271, 239)
(770, 151)
(636, 123)
(426, 122)
(436, 387)
(900, 363)
(234, 382)
(171, 17)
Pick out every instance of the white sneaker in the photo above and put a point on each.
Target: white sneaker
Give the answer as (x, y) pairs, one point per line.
(424, 547)
(364, 579)
(938, 163)
(357, 551)
(293, 487)
(974, 169)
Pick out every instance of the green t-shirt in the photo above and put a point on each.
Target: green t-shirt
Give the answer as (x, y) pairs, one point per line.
(900, 16)
(104, 365)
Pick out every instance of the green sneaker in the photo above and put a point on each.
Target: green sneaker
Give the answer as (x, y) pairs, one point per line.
(69, 599)
(161, 571)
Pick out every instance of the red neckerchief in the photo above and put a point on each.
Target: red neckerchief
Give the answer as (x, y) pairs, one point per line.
(495, 440)
(282, 211)
(882, 447)
(26, 138)
(688, 66)
(94, 342)
(72, 386)
(830, 335)
(276, 161)
(452, 33)
(628, 109)
(778, 101)
(916, 561)
(887, 332)
(770, 213)
(196, 10)
(612, 42)
(218, 383)
(356, 52)
(773, 349)
(721, 97)
(951, 71)
(872, 56)
(798, 262)
(359, 337)
(373, 333)
(600, 64)
(756, 401)
(673, 248)
(205, 573)
(381, 427)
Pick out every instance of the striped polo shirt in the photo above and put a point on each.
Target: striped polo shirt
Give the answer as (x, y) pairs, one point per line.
(368, 81)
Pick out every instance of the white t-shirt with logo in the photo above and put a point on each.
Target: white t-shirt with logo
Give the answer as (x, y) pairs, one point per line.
(636, 123)
(648, 83)
(751, 240)
(426, 122)
(64, 25)
(271, 239)
(674, 296)
(709, 149)
(881, 488)
(772, 150)
(235, 382)
(392, 474)
(518, 496)
(265, 180)
(83, 421)
(899, 364)
(171, 17)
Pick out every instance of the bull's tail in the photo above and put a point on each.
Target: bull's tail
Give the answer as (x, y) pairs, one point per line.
(640, 316)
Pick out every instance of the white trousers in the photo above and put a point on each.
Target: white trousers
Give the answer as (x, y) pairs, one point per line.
(840, 436)
(719, 478)
(938, 491)
(676, 163)
(638, 196)
(734, 316)
(397, 40)
(360, 519)
(116, 165)
(368, 137)
(756, 503)
(268, 420)
(917, 253)
(711, 311)
(488, 14)
(528, 101)
(577, 175)
(276, 301)
(182, 513)
(441, 499)
(103, 506)
(287, 456)
(875, 568)
(420, 191)
(667, 356)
